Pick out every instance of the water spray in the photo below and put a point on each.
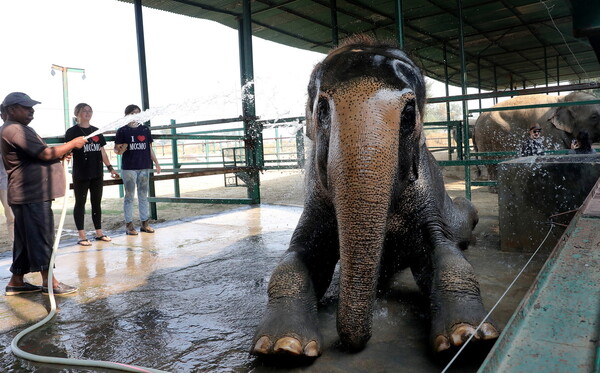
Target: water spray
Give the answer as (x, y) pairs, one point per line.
(140, 118)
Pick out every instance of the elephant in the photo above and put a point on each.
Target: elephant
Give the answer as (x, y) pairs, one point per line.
(505, 131)
(376, 203)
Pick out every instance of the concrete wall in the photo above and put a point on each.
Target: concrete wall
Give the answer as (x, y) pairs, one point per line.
(532, 189)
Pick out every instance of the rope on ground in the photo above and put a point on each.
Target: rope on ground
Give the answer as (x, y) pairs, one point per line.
(498, 302)
(59, 360)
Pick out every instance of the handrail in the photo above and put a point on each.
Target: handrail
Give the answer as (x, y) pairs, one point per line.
(518, 92)
(553, 104)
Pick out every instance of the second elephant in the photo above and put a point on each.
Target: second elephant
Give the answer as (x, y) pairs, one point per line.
(505, 131)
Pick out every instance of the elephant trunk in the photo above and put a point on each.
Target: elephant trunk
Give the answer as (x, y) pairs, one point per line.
(361, 243)
(361, 175)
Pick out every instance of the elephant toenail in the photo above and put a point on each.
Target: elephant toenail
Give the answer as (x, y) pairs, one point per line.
(461, 333)
(488, 331)
(262, 345)
(311, 349)
(288, 345)
(441, 343)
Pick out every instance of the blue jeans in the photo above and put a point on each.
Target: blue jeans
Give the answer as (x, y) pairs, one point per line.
(131, 180)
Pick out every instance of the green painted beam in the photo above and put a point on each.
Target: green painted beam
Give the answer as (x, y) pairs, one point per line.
(220, 201)
(518, 92)
(504, 108)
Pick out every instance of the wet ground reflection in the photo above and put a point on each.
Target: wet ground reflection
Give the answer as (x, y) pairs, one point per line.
(188, 298)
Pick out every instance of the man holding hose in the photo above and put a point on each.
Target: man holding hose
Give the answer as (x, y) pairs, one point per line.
(35, 178)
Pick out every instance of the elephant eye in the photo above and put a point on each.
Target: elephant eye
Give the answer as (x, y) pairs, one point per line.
(323, 113)
(408, 119)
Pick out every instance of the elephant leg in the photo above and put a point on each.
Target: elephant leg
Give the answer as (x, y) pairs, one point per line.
(463, 221)
(456, 307)
(493, 176)
(289, 325)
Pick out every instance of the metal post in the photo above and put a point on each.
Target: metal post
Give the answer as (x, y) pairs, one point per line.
(511, 84)
(399, 24)
(252, 129)
(545, 67)
(495, 85)
(139, 31)
(334, 24)
(558, 72)
(175, 156)
(479, 78)
(463, 69)
(459, 143)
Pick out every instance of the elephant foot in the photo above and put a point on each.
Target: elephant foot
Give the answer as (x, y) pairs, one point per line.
(460, 333)
(285, 346)
(289, 328)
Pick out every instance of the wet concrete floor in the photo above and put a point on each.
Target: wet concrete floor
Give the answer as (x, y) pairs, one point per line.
(187, 299)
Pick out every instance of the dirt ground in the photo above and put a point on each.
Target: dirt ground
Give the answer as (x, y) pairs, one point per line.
(277, 187)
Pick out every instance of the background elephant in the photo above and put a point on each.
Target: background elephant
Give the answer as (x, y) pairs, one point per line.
(376, 203)
(503, 131)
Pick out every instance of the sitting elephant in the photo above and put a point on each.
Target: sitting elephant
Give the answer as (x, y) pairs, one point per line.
(505, 131)
(375, 202)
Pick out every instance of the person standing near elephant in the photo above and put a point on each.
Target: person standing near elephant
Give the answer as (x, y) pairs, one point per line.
(533, 145)
(582, 144)
(87, 173)
(35, 178)
(134, 142)
(10, 217)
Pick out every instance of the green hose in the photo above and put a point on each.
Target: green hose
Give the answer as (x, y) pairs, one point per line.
(59, 360)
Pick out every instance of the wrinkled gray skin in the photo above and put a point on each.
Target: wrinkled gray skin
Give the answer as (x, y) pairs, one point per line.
(377, 203)
(505, 131)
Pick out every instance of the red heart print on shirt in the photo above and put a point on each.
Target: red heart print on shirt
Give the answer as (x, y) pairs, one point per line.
(141, 138)
(95, 139)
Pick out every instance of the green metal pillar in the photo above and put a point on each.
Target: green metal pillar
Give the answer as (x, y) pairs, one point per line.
(546, 67)
(558, 72)
(495, 85)
(139, 31)
(252, 129)
(175, 157)
(399, 24)
(459, 142)
(479, 79)
(334, 23)
(463, 78)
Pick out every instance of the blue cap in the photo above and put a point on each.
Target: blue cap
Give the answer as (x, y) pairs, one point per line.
(19, 98)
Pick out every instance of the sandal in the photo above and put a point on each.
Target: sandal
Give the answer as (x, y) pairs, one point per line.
(131, 230)
(84, 242)
(146, 228)
(104, 238)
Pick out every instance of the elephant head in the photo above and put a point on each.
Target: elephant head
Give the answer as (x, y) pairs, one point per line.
(572, 119)
(364, 115)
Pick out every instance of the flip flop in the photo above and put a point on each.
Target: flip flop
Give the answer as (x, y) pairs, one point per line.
(104, 238)
(84, 242)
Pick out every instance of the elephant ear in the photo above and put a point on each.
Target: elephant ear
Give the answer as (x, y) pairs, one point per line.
(563, 119)
(314, 85)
